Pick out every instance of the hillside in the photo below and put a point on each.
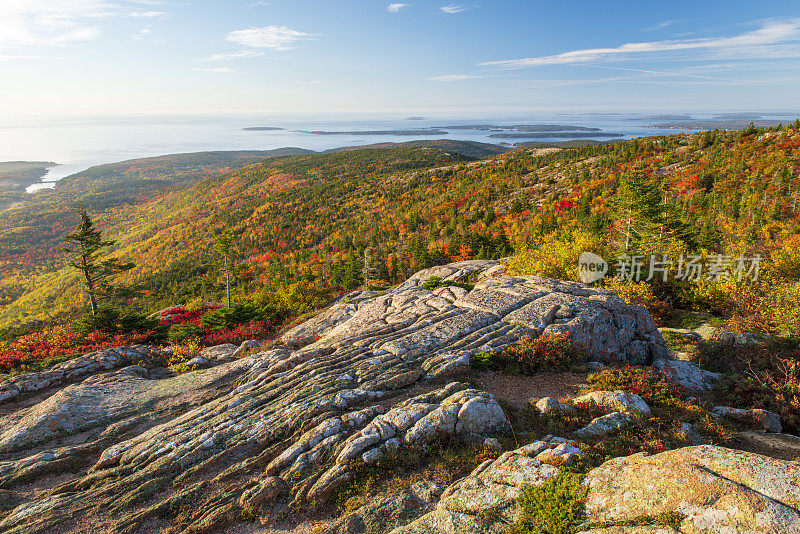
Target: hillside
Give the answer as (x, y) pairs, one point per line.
(308, 219)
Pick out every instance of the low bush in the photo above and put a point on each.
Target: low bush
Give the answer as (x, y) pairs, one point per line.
(45, 347)
(765, 376)
(640, 293)
(554, 256)
(649, 384)
(548, 352)
(555, 507)
(435, 282)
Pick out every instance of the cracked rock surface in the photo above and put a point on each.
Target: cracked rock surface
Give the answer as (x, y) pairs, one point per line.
(284, 428)
(486, 500)
(717, 490)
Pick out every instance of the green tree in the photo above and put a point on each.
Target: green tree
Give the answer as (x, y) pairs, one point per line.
(95, 271)
(224, 245)
(638, 209)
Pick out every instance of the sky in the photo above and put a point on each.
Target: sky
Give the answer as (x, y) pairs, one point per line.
(415, 57)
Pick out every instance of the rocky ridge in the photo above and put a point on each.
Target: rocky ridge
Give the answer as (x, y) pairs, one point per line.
(283, 429)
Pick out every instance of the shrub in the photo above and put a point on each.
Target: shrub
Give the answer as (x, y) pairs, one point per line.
(763, 376)
(38, 349)
(553, 257)
(181, 332)
(548, 352)
(435, 282)
(640, 293)
(649, 384)
(555, 507)
(237, 334)
(181, 355)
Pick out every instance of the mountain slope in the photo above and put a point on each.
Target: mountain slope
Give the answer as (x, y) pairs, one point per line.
(309, 219)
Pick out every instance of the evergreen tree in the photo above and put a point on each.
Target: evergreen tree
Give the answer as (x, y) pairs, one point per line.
(95, 271)
(638, 209)
(224, 245)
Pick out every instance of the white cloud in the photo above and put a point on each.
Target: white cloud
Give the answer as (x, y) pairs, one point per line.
(234, 55)
(147, 14)
(7, 57)
(142, 35)
(770, 33)
(275, 37)
(453, 8)
(395, 8)
(661, 25)
(213, 69)
(454, 77)
(47, 22)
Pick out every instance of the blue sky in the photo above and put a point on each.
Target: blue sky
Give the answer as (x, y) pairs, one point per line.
(418, 56)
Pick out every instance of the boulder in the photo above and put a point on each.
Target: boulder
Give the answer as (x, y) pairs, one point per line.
(763, 420)
(619, 401)
(687, 374)
(550, 405)
(602, 425)
(67, 371)
(380, 515)
(716, 489)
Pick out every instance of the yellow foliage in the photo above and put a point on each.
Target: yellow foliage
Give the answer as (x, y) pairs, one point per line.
(181, 355)
(554, 258)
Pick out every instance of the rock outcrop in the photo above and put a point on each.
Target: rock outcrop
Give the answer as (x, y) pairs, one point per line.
(67, 371)
(714, 489)
(485, 502)
(285, 428)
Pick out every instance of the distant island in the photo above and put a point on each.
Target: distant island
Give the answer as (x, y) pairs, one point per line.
(415, 119)
(729, 124)
(262, 128)
(577, 143)
(738, 116)
(565, 135)
(524, 128)
(666, 117)
(425, 131)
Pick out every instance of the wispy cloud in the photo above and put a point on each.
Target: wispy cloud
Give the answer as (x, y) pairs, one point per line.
(9, 57)
(275, 37)
(46, 22)
(147, 14)
(454, 77)
(213, 69)
(142, 35)
(234, 55)
(661, 25)
(395, 8)
(772, 32)
(451, 9)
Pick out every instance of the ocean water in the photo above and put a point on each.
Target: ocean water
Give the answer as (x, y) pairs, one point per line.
(76, 143)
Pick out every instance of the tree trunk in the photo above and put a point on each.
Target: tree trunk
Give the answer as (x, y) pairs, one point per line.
(228, 282)
(89, 284)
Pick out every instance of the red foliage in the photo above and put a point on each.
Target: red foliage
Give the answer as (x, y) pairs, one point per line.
(62, 342)
(237, 334)
(564, 205)
(179, 315)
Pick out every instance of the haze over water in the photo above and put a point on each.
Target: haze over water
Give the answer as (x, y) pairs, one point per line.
(76, 143)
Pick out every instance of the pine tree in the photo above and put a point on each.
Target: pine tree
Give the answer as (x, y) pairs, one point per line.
(95, 271)
(638, 209)
(224, 244)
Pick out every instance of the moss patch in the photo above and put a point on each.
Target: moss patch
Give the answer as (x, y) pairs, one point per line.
(555, 507)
